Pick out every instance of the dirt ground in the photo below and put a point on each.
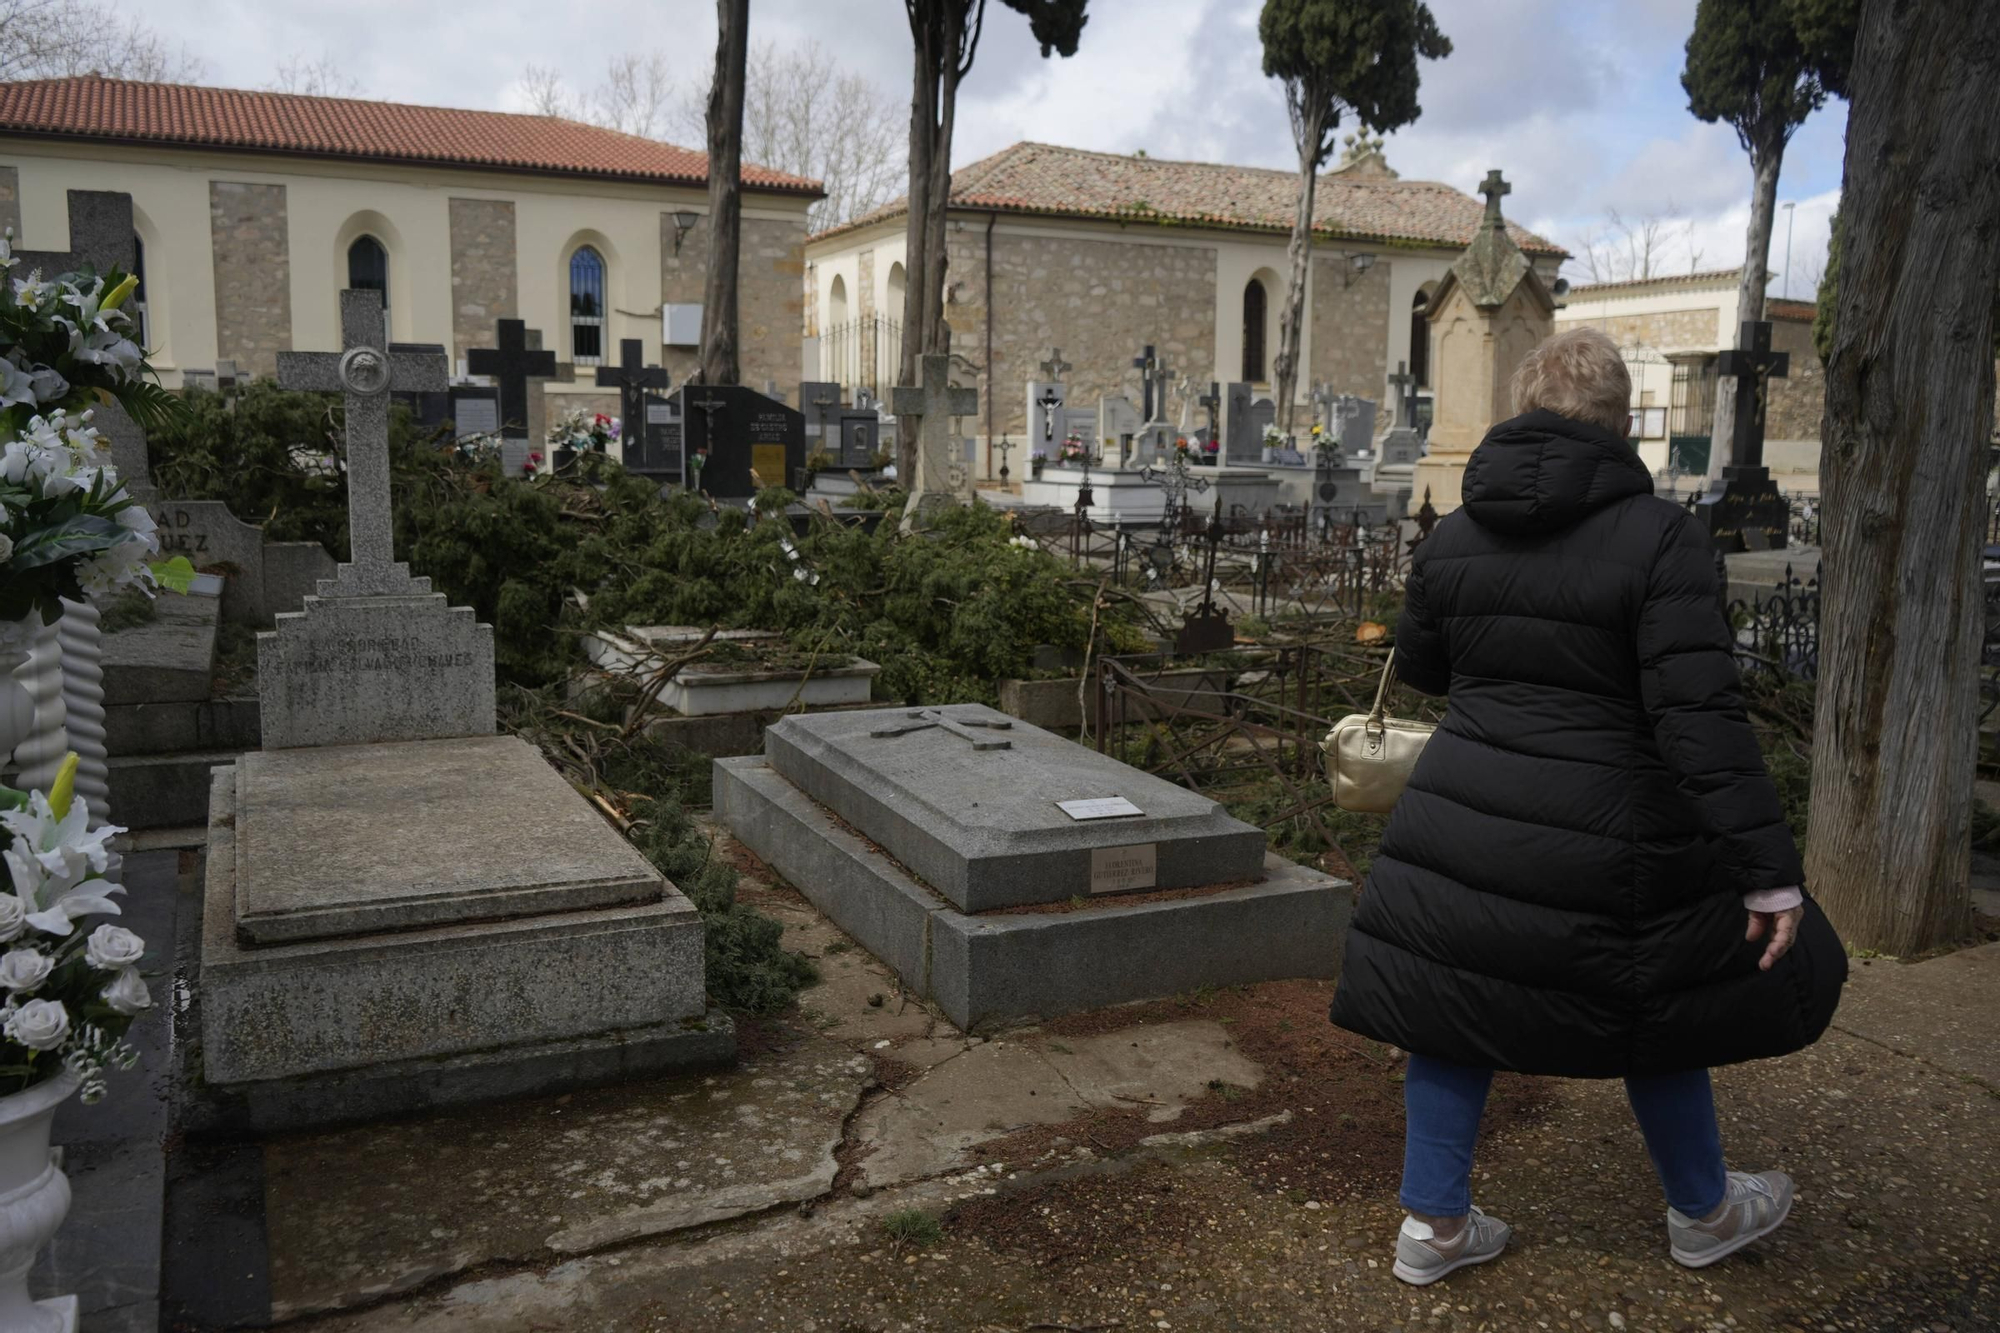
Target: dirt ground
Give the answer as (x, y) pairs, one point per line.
(1227, 1161)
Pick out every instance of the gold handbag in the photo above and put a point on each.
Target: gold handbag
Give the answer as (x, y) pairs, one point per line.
(1369, 755)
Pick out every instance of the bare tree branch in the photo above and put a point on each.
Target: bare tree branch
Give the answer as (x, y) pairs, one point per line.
(42, 39)
(321, 77)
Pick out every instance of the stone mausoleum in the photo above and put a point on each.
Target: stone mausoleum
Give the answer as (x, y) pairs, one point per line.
(254, 210)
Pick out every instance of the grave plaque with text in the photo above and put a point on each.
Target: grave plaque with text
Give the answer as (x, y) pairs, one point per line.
(739, 431)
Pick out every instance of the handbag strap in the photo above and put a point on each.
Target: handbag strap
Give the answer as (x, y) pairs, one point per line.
(1377, 713)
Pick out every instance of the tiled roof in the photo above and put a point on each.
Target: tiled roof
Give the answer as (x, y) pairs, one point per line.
(1665, 282)
(123, 111)
(1778, 308)
(1072, 182)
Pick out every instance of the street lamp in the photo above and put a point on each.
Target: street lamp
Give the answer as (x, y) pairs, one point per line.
(684, 220)
(1791, 216)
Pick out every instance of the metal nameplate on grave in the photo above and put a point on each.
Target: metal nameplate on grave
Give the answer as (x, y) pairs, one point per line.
(1099, 807)
(1124, 869)
(475, 412)
(657, 451)
(860, 439)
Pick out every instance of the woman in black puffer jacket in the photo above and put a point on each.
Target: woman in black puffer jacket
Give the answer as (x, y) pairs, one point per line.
(1590, 872)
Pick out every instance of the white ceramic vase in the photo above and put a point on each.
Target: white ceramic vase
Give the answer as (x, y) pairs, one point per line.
(80, 643)
(34, 1199)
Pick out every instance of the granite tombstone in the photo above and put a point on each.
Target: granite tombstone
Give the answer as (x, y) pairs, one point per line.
(737, 432)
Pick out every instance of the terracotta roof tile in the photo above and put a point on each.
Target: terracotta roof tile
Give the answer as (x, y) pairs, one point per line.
(93, 107)
(1073, 182)
(1664, 282)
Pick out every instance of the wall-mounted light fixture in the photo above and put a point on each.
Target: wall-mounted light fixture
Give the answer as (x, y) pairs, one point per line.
(684, 220)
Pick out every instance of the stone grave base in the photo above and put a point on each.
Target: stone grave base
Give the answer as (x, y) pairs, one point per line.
(1124, 495)
(407, 986)
(993, 969)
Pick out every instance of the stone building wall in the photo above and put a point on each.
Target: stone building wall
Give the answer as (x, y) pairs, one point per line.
(1099, 301)
(253, 274)
(484, 284)
(1668, 329)
(1350, 328)
(770, 297)
(10, 199)
(1798, 402)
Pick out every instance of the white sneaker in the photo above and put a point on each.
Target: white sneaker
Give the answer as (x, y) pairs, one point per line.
(1753, 1206)
(1421, 1258)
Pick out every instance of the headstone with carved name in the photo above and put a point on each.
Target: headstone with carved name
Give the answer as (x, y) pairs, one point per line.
(745, 440)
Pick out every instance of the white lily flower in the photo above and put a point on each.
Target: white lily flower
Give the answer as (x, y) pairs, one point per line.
(16, 385)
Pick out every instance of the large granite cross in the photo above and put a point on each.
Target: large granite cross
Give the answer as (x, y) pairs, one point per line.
(512, 364)
(932, 406)
(366, 372)
(1752, 364)
(1403, 385)
(631, 377)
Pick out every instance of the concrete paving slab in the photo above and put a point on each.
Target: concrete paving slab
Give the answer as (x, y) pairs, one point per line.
(1945, 1012)
(362, 1214)
(928, 1127)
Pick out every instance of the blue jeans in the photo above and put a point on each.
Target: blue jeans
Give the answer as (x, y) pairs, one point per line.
(1443, 1103)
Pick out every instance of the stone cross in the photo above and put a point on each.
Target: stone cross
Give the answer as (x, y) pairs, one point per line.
(512, 364)
(931, 407)
(1212, 403)
(1494, 187)
(1402, 388)
(631, 377)
(923, 719)
(1752, 364)
(1055, 367)
(366, 372)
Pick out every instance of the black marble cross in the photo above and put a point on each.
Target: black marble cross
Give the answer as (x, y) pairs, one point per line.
(512, 364)
(632, 377)
(1752, 364)
(1212, 403)
(1148, 365)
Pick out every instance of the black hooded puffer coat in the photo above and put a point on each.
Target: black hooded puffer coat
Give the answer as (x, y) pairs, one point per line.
(1559, 890)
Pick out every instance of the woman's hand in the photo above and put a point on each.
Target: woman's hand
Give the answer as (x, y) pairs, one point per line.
(1783, 928)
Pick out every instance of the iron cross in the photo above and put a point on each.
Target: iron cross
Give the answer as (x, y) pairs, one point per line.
(923, 719)
(512, 364)
(365, 373)
(632, 377)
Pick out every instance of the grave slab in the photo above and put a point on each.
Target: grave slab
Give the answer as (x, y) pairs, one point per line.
(966, 797)
(169, 659)
(350, 840)
(997, 969)
(388, 1002)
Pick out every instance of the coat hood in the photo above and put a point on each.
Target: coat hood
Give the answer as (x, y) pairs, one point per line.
(1542, 473)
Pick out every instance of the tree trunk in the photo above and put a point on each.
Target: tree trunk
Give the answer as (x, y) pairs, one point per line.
(725, 195)
(1765, 163)
(937, 33)
(1291, 316)
(1909, 406)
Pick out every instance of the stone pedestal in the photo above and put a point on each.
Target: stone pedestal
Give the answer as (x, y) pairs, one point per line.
(1746, 511)
(416, 924)
(939, 839)
(1124, 495)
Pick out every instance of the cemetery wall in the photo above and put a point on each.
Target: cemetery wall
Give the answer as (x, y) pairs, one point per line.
(253, 281)
(1798, 402)
(1350, 326)
(1099, 300)
(484, 284)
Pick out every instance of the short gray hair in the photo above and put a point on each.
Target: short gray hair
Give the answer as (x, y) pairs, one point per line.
(1578, 374)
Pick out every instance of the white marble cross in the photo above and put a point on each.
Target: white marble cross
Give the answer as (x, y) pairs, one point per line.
(365, 372)
(941, 470)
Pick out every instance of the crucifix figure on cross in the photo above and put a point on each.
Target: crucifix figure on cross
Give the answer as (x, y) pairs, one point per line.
(632, 377)
(1148, 366)
(1055, 368)
(930, 407)
(1212, 403)
(1753, 365)
(924, 719)
(1049, 402)
(365, 372)
(511, 365)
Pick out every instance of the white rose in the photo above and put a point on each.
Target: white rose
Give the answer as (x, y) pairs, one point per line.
(6, 548)
(13, 916)
(39, 1025)
(109, 947)
(128, 994)
(24, 969)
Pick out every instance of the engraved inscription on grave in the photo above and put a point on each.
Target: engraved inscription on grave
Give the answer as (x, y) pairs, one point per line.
(1123, 869)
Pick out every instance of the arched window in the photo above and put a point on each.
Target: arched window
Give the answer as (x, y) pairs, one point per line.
(1253, 331)
(368, 267)
(586, 307)
(139, 315)
(1420, 340)
(836, 304)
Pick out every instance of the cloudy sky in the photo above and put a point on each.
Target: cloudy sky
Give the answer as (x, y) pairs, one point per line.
(1578, 101)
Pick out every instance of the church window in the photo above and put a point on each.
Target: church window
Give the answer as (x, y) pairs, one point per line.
(1420, 340)
(586, 307)
(1253, 332)
(368, 267)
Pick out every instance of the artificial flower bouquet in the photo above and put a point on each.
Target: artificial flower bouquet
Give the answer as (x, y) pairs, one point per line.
(68, 527)
(1072, 449)
(585, 432)
(70, 990)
